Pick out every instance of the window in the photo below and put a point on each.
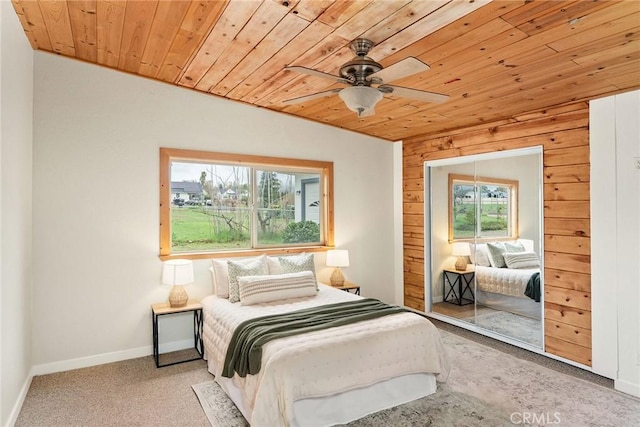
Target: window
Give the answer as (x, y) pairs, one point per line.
(482, 208)
(218, 204)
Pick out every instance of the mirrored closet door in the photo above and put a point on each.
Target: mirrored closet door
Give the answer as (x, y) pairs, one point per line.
(484, 242)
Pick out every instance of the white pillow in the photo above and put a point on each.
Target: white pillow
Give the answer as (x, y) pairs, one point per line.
(248, 267)
(478, 254)
(276, 287)
(521, 260)
(273, 264)
(528, 245)
(221, 274)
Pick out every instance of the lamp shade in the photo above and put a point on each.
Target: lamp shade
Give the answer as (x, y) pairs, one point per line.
(460, 249)
(177, 272)
(360, 99)
(338, 258)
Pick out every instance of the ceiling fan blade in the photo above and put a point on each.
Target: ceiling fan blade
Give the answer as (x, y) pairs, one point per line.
(400, 69)
(316, 73)
(305, 98)
(420, 95)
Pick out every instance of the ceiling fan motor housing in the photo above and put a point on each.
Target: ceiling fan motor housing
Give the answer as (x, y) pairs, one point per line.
(361, 66)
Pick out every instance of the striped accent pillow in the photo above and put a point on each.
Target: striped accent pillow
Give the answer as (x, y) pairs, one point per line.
(521, 260)
(268, 288)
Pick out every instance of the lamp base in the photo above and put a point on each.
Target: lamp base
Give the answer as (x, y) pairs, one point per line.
(178, 296)
(461, 263)
(336, 279)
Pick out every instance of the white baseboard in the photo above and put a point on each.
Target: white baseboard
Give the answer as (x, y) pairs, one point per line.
(627, 387)
(15, 411)
(101, 359)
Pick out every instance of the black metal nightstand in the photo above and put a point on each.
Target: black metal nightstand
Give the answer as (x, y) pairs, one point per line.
(162, 309)
(349, 287)
(460, 280)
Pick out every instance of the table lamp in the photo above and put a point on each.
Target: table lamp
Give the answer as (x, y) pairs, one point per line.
(337, 258)
(177, 272)
(461, 250)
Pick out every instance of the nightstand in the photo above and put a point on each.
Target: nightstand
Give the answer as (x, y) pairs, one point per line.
(456, 283)
(163, 309)
(349, 287)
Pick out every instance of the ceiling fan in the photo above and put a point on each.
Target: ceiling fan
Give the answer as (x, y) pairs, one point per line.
(367, 81)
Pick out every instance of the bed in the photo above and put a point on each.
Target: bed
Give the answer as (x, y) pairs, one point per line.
(329, 376)
(508, 289)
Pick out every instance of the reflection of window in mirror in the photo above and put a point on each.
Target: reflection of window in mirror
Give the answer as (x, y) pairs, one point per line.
(482, 208)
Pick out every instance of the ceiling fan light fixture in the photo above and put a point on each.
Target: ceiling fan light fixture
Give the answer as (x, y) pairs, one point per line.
(360, 99)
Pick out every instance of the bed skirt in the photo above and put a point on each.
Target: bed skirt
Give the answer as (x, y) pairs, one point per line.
(348, 406)
(518, 305)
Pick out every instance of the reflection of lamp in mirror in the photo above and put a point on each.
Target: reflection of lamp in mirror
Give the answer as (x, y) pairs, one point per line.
(461, 250)
(337, 258)
(177, 272)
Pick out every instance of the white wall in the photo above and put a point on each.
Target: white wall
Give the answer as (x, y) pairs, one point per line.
(96, 135)
(16, 102)
(615, 238)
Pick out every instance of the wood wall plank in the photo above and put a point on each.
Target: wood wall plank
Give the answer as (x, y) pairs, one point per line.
(568, 315)
(567, 191)
(572, 173)
(567, 244)
(580, 227)
(567, 262)
(567, 279)
(568, 350)
(568, 333)
(567, 297)
(567, 209)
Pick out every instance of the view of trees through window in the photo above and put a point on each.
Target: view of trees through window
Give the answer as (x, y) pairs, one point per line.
(481, 209)
(226, 207)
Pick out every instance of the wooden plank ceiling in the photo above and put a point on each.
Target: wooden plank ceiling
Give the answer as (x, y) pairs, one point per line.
(495, 59)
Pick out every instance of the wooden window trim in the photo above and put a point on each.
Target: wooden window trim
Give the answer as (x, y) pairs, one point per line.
(167, 155)
(485, 180)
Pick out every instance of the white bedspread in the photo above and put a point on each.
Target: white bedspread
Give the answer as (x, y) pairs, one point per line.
(505, 281)
(324, 362)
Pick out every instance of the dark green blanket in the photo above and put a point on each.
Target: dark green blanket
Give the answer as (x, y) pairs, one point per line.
(244, 354)
(533, 287)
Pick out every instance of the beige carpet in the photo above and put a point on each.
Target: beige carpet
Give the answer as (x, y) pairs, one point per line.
(486, 388)
(135, 393)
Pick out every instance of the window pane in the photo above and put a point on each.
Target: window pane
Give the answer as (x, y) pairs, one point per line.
(288, 207)
(209, 208)
(464, 211)
(494, 207)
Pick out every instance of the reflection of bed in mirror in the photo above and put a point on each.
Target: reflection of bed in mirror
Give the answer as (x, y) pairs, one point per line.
(508, 289)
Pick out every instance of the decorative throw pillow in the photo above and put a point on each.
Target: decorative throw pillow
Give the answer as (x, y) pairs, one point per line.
(495, 251)
(250, 267)
(478, 254)
(259, 289)
(522, 260)
(298, 263)
(220, 278)
(512, 247)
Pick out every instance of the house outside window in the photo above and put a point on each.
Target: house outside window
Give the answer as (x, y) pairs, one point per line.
(482, 208)
(219, 204)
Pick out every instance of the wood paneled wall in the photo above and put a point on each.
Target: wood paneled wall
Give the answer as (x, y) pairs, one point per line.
(564, 134)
